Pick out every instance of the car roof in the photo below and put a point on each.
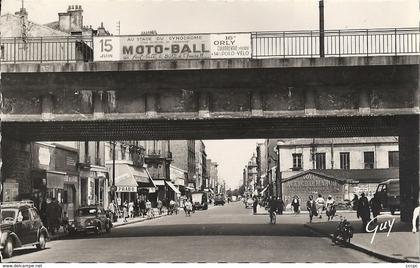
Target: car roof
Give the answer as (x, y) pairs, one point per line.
(91, 206)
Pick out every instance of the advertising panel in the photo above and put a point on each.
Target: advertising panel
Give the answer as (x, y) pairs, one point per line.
(106, 48)
(172, 47)
(162, 47)
(230, 46)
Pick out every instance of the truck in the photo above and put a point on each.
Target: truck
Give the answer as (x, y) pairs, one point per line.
(388, 192)
(200, 200)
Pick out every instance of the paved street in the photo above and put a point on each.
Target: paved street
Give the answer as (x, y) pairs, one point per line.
(221, 234)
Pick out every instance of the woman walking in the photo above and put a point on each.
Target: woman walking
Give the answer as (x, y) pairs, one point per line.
(330, 207)
(320, 205)
(188, 207)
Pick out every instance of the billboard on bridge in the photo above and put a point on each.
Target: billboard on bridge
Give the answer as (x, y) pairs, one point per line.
(172, 47)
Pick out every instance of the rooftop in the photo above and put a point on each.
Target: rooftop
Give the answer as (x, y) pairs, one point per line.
(354, 175)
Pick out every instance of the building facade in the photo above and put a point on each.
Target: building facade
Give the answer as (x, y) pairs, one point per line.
(184, 157)
(200, 165)
(355, 164)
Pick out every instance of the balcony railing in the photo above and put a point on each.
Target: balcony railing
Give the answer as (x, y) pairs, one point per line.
(278, 44)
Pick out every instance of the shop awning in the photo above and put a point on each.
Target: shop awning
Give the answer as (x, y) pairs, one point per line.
(142, 176)
(128, 177)
(123, 176)
(173, 187)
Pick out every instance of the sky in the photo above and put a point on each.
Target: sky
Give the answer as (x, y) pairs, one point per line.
(232, 156)
(212, 16)
(203, 16)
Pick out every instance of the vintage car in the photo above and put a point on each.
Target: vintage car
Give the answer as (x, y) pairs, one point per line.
(90, 219)
(219, 200)
(21, 226)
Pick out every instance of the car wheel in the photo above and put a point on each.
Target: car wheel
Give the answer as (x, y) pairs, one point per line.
(8, 248)
(41, 241)
(97, 230)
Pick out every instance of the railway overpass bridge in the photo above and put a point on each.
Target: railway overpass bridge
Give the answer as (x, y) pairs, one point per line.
(275, 86)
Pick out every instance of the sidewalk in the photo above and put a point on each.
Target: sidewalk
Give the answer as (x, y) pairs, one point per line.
(120, 222)
(400, 246)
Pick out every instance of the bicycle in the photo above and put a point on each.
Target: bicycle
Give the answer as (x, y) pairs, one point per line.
(272, 217)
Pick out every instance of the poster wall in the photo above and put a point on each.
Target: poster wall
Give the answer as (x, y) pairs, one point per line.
(172, 47)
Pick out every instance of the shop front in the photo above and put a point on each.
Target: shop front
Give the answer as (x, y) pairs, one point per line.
(132, 182)
(166, 192)
(54, 175)
(94, 186)
(71, 183)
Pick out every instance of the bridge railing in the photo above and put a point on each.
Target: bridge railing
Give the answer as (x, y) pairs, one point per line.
(337, 43)
(291, 44)
(46, 49)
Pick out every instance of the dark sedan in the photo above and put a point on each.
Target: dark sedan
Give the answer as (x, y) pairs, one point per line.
(90, 219)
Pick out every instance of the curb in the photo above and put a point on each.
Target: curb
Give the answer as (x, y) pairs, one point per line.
(57, 236)
(361, 248)
(136, 221)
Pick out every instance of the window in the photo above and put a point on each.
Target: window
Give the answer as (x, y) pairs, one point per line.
(34, 213)
(320, 160)
(394, 159)
(369, 159)
(345, 160)
(25, 215)
(297, 161)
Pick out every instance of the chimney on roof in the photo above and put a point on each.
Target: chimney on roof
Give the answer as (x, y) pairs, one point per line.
(102, 31)
(72, 20)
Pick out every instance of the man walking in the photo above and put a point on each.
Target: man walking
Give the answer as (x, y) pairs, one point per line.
(363, 211)
(311, 207)
(375, 205)
(254, 205)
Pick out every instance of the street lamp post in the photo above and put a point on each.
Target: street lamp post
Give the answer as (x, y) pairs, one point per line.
(113, 172)
(279, 179)
(321, 29)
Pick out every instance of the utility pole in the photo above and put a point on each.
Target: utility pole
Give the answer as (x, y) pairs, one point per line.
(119, 27)
(321, 29)
(114, 190)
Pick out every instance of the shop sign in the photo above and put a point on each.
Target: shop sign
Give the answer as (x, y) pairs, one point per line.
(127, 189)
(100, 174)
(44, 156)
(71, 179)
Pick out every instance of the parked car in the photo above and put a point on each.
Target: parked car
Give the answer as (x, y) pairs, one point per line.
(219, 200)
(21, 226)
(90, 219)
(388, 193)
